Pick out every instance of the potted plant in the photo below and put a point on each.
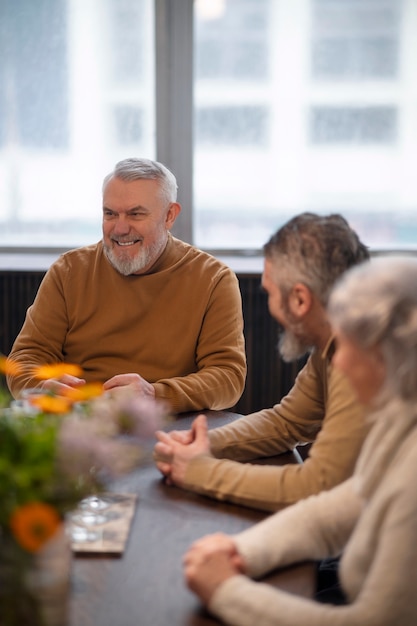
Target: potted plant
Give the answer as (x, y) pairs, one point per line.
(54, 451)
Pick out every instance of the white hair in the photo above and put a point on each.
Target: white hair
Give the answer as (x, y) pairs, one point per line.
(144, 169)
(376, 304)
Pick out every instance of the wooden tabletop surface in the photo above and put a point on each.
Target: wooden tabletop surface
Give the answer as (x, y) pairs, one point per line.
(144, 586)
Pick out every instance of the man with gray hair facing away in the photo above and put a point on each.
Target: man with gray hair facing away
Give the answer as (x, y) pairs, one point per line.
(302, 262)
(140, 309)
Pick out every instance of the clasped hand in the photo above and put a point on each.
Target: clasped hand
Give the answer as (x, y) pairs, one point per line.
(176, 449)
(209, 562)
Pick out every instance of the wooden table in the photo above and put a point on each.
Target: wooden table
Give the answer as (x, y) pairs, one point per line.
(145, 586)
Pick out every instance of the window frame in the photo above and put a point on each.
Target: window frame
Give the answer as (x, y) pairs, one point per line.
(174, 26)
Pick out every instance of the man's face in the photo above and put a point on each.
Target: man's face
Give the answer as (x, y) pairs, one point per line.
(293, 342)
(135, 224)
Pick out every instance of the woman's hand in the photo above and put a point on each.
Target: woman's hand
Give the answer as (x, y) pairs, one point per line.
(209, 562)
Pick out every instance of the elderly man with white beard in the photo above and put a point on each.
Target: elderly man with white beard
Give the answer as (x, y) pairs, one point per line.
(140, 309)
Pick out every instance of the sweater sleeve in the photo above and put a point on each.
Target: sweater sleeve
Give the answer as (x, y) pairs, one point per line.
(219, 380)
(378, 567)
(312, 529)
(43, 332)
(336, 421)
(297, 418)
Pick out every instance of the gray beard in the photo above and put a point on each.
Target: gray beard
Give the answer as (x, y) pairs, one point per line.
(128, 265)
(291, 347)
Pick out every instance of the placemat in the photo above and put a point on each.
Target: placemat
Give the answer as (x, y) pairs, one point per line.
(114, 533)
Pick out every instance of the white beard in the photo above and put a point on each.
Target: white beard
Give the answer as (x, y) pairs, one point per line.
(127, 265)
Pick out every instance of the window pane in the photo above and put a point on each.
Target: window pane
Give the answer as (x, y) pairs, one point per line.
(76, 95)
(37, 118)
(232, 125)
(346, 57)
(360, 125)
(322, 118)
(245, 56)
(358, 38)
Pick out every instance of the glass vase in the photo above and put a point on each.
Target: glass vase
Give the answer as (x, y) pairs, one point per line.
(35, 588)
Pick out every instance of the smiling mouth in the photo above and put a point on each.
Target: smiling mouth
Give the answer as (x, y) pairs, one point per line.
(125, 244)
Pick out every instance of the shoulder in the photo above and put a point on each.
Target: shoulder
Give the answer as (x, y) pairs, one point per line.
(404, 452)
(76, 266)
(388, 466)
(405, 463)
(200, 261)
(193, 253)
(78, 257)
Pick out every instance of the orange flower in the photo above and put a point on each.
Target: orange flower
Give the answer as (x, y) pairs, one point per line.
(33, 524)
(83, 393)
(51, 404)
(9, 367)
(43, 372)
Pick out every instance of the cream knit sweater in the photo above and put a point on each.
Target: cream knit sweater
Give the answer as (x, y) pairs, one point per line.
(371, 518)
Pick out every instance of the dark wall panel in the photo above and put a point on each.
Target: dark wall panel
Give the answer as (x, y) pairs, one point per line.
(17, 290)
(269, 378)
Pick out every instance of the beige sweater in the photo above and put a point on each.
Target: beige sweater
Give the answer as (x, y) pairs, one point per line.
(372, 518)
(320, 408)
(180, 326)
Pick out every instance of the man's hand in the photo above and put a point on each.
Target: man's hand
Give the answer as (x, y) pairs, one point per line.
(60, 385)
(136, 383)
(209, 562)
(173, 452)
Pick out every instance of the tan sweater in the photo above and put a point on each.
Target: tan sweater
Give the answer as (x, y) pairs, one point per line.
(372, 518)
(180, 326)
(320, 408)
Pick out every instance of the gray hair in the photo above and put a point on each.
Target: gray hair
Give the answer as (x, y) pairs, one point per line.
(376, 304)
(145, 169)
(314, 250)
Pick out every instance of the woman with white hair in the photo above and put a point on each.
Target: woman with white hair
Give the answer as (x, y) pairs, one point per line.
(371, 519)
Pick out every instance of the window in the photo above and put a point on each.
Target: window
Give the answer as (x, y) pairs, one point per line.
(233, 125)
(128, 125)
(76, 95)
(355, 39)
(265, 108)
(35, 118)
(336, 111)
(354, 125)
(231, 40)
